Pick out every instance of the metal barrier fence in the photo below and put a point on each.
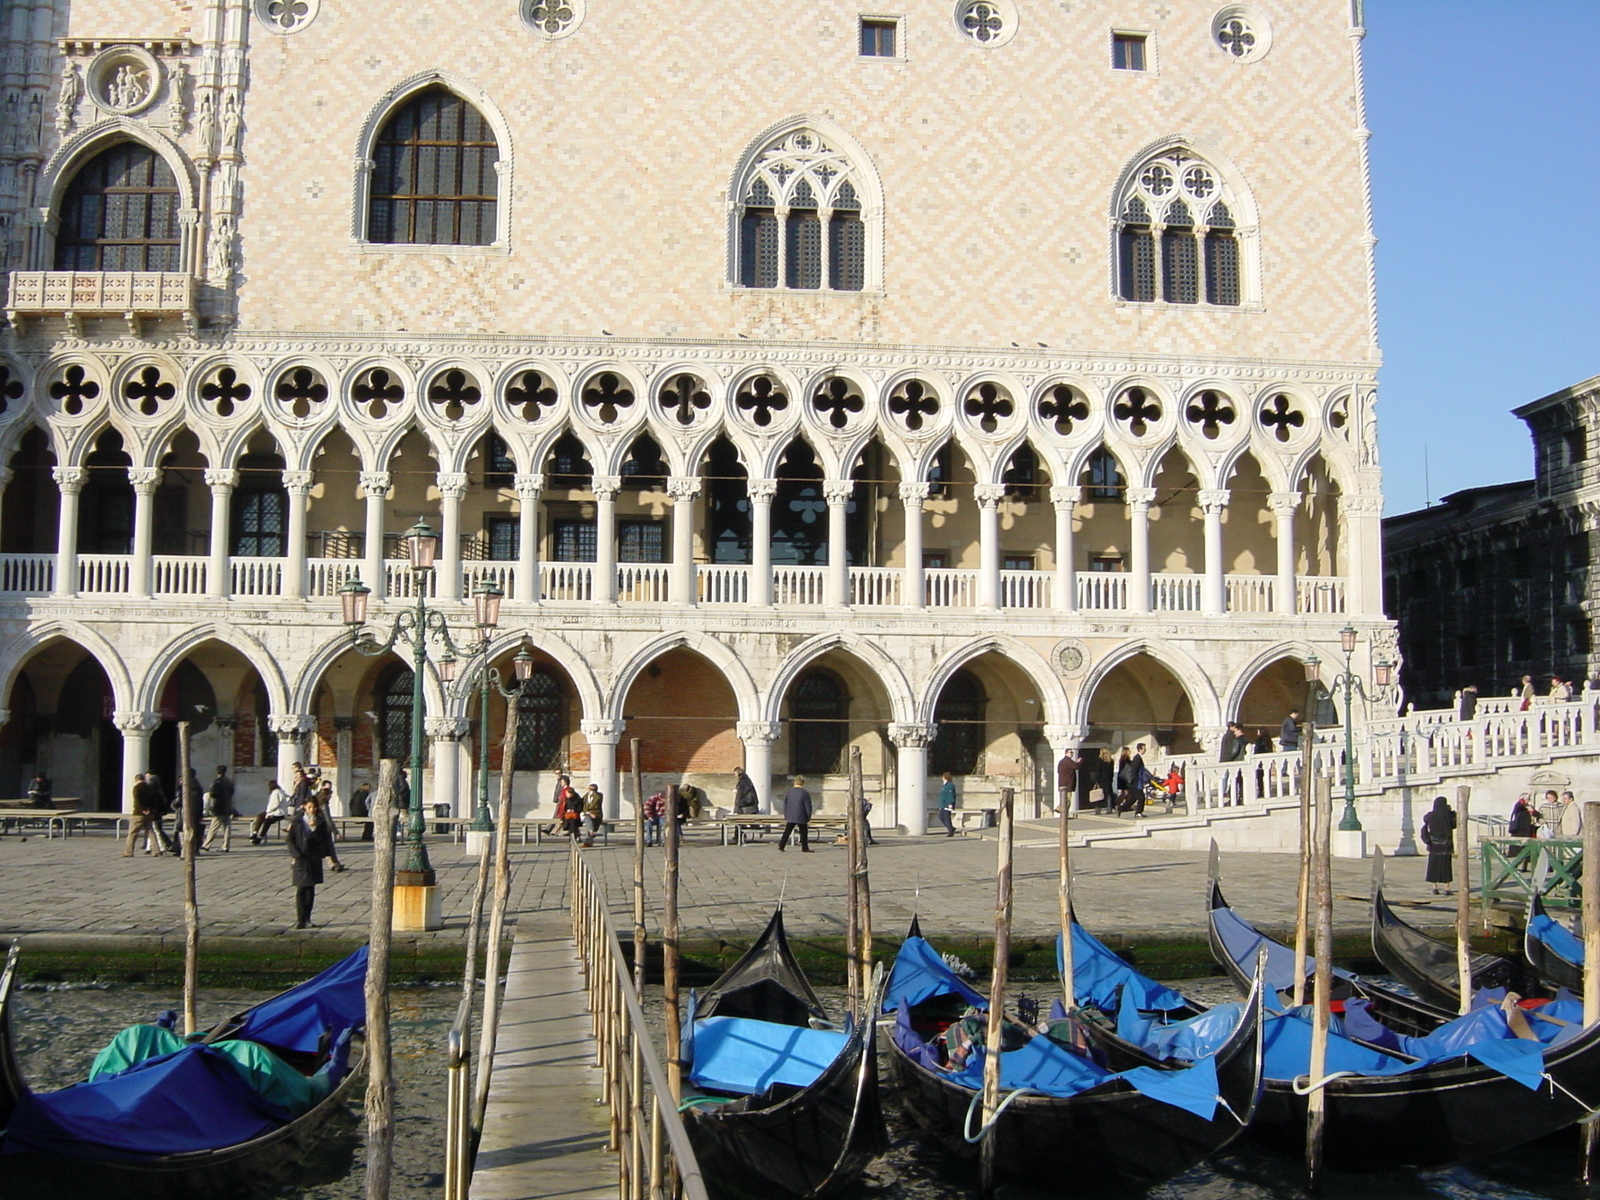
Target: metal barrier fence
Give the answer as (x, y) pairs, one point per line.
(458, 1104)
(654, 1158)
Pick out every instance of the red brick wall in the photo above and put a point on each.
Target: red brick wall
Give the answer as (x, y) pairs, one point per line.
(685, 716)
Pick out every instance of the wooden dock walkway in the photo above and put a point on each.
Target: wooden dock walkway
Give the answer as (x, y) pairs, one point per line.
(544, 1134)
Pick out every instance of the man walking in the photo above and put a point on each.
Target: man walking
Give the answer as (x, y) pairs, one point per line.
(797, 815)
(221, 806)
(1289, 735)
(143, 818)
(947, 805)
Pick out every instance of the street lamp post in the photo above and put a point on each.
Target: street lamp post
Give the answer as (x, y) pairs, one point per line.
(416, 626)
(1351, 684)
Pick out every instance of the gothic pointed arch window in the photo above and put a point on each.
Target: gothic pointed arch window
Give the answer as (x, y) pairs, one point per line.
(435, 176)
(1178, 237)
(541, 721)
(120, 213)
(819, 724)
(395, 705)
(802, 221)
(958, 718)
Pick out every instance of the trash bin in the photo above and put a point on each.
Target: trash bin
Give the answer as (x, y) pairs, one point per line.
(991, 818)
(441, 810)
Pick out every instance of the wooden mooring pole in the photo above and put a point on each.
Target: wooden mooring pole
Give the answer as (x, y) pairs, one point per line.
(1463, 875)
(988, 1168)
(1069, 989)
(639, 937)
(669, 952)
(189, 819)
(380, 1080)
(497, 919)
(1308, 731)
(1322, 982)
(862, 886)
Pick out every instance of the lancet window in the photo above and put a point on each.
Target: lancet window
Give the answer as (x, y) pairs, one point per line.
(434, 178)
(801, 222)
(1178, 239)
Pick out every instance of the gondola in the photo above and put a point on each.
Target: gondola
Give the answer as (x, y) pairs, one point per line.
(1235, 943)
(187, 1124)
(1554, 954)
(777, 1099)
(1428, 966)
(1066, 1121)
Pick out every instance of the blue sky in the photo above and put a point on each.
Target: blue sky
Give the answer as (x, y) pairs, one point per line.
(1486, 185)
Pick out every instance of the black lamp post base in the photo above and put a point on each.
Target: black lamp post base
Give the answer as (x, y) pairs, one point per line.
(415, 878)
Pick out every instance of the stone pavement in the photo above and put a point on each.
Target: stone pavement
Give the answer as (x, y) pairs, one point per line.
(80, 888)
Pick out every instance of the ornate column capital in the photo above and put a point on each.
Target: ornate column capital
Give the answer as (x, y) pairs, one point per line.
(757, 731)
(912, 495)
(298, 483)
(838, 491)
(376, 483)
(144, 479)
(452, 484)
(1142, 497)
(528, 487)
(761, 491)
(1283, 502)
(911, 736)
(605, 733)
(988, 494)
(445, 729)
(136, 723)
(683, 487)
(291, 724)
(222, 480)
(606, 487)
(69, 479)
(1065, 496)
(1066, 737)
(1212, 500)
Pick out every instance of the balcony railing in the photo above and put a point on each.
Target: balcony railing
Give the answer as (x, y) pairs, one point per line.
(180, 575)
(131, 295)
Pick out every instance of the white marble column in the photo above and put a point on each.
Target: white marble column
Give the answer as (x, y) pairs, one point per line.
(344, 780)
(528, 489)
(375, 487)
(683, 490)
(988, 497)
(1362, 564)
(291, 729)
(69, 481)
(603, 737)
(1283, 509)
(445, 785)
(913, 588)
(1065, 500)
(761, 492)
(1139, 502)
(136, 728)
(298, 484)
(1214, 593)
(758, 737)
(452, 488)
(836, 590)
(1064, 740)
(911, 776)
(219, 574)
(606, 488)
(144, 480)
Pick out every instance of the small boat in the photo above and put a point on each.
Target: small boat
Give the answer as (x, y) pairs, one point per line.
(1554, 953)
(255, 1106)
(1235, 943)
(1428, 966)
(1067, 1121)
(778, 1100)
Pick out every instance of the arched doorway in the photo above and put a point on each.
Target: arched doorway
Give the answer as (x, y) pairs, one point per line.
(1141, 699)
(835, 703)
(989, 734)
(685, 715)
(61, 706)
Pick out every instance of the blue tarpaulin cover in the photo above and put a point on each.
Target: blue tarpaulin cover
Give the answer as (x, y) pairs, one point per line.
(734, 1054)
(920, 973)
(194, 1099)
(1187, 1040)
(1243, 940)
(1558, 937)
(328, 1003)
(1097, 974)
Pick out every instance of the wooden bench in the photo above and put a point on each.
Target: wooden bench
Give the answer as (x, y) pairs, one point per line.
(22, 814)
(754, 827)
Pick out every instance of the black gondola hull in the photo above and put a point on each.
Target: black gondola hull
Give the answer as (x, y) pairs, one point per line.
(1428, 966)
(1554, 970)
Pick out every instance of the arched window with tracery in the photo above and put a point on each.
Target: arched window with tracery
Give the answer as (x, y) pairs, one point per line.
(819, 726)
(394, 714)
(120, 213)
(435, 180)
(1178, 239)
(542, 721)
(801, 219)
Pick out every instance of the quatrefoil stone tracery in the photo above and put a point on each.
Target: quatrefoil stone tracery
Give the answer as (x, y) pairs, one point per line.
(1210, 411)
(1061, 406)
(988, 405)
(11, 388)
(452, 393)
(148, 391)
(761, 398)
(73, 390)
(1137, 410)
(302, 392)
(836, 402)
(914, 403)
(1281, 416)
(981, 22)
(378, 391)
(607, 396)
(684, 396)
(225, 392)
(531, 395)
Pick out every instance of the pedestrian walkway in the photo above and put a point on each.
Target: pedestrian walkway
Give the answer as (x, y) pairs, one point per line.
(545, 1131)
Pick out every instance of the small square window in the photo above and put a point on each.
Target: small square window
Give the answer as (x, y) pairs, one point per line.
(878, 37)
(1127, 51)
(1106, 562)
(1017, 562)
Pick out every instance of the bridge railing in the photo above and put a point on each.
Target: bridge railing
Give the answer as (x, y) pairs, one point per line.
(655, 1160)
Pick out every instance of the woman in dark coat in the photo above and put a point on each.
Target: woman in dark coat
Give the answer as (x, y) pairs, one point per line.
(1439, 836)
(310, 841)
(1106, 779)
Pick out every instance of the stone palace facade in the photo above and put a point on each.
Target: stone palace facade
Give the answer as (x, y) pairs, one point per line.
(960, 381)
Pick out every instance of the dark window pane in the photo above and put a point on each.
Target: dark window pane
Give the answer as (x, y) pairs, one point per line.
(847, 252)
(819, 727)
(541, 722)
(1137, 270)
(960, 739)
(435, 182)
(575, 541)
(1222, 268)
(804, 249)
(394, 716)
(503, 535)
(641, 542)
(1180, 280)
(120, 213)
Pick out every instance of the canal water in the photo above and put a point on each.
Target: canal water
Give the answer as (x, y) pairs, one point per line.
(60, 1029)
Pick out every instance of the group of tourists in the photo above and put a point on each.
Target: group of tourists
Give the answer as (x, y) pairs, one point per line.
(581, 815)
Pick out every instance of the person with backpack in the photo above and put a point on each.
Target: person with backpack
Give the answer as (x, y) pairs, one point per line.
(219, 807)
(1524, 821)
